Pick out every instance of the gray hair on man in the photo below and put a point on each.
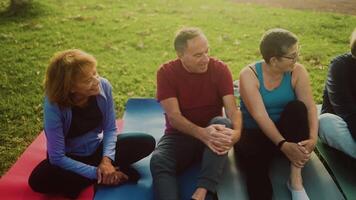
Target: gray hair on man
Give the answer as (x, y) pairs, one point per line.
(183, 35)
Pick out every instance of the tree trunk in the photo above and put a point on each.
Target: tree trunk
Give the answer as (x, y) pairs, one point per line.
(17, 5)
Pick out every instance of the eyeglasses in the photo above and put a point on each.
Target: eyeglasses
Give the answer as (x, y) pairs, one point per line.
(293, 58)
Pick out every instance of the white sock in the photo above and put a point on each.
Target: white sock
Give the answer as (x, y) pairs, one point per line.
(297, 194)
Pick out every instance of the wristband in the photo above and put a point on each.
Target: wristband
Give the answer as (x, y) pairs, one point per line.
(279, 145)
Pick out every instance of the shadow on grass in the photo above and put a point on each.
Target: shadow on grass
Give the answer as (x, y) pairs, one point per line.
(28, 12)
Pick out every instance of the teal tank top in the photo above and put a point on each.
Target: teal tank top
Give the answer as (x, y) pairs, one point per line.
(274, 100)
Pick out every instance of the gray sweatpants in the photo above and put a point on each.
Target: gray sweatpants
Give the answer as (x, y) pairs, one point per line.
(177, 152)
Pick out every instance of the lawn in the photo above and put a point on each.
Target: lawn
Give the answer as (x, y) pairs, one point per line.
(130, 39)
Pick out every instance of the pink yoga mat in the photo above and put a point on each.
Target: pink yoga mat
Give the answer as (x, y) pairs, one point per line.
(13, 184)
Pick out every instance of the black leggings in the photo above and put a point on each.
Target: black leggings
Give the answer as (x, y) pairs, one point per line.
(254, 151)
(49, 179)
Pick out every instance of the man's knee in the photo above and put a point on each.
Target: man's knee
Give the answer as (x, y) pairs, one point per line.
(160, 163)
(221, 120)
(155, 161)
(328, 124)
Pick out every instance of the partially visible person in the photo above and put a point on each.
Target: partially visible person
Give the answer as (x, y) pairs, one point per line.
(338, 119)
(279, 115)
(193, 90)
(79, 123)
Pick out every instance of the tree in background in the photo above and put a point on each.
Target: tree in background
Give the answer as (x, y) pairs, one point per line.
(16, 6)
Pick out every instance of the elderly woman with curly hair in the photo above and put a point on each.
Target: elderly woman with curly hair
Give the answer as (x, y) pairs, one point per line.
(79, 123)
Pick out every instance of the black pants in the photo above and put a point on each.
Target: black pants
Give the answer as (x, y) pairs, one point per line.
(50, 179)
(254, 151)
(175, 153)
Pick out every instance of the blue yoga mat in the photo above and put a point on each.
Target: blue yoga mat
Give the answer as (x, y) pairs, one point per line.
(342, 167)
(317, 181)
(145, 115)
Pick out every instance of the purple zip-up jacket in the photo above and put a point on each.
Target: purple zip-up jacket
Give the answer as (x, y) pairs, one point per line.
(56, 126)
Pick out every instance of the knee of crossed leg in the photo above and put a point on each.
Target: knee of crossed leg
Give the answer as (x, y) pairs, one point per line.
(221, 120)
(161, 164)
(35, 182)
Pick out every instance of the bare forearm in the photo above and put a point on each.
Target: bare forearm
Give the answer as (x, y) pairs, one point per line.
(313, 122)
(270, 130)
(185, 126)
(236, 120)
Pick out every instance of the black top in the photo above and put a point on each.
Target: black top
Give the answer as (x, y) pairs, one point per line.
(85, 119)
(340, 90)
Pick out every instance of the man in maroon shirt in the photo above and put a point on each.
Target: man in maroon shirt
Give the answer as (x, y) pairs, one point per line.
(192, 90)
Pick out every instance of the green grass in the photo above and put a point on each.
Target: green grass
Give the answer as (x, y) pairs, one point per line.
(130, 39)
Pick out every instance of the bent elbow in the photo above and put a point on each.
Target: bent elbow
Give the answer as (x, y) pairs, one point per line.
(55, 160)
(172, 120)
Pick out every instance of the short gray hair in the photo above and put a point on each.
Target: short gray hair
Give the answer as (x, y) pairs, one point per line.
(275, 42)
(183, 35)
